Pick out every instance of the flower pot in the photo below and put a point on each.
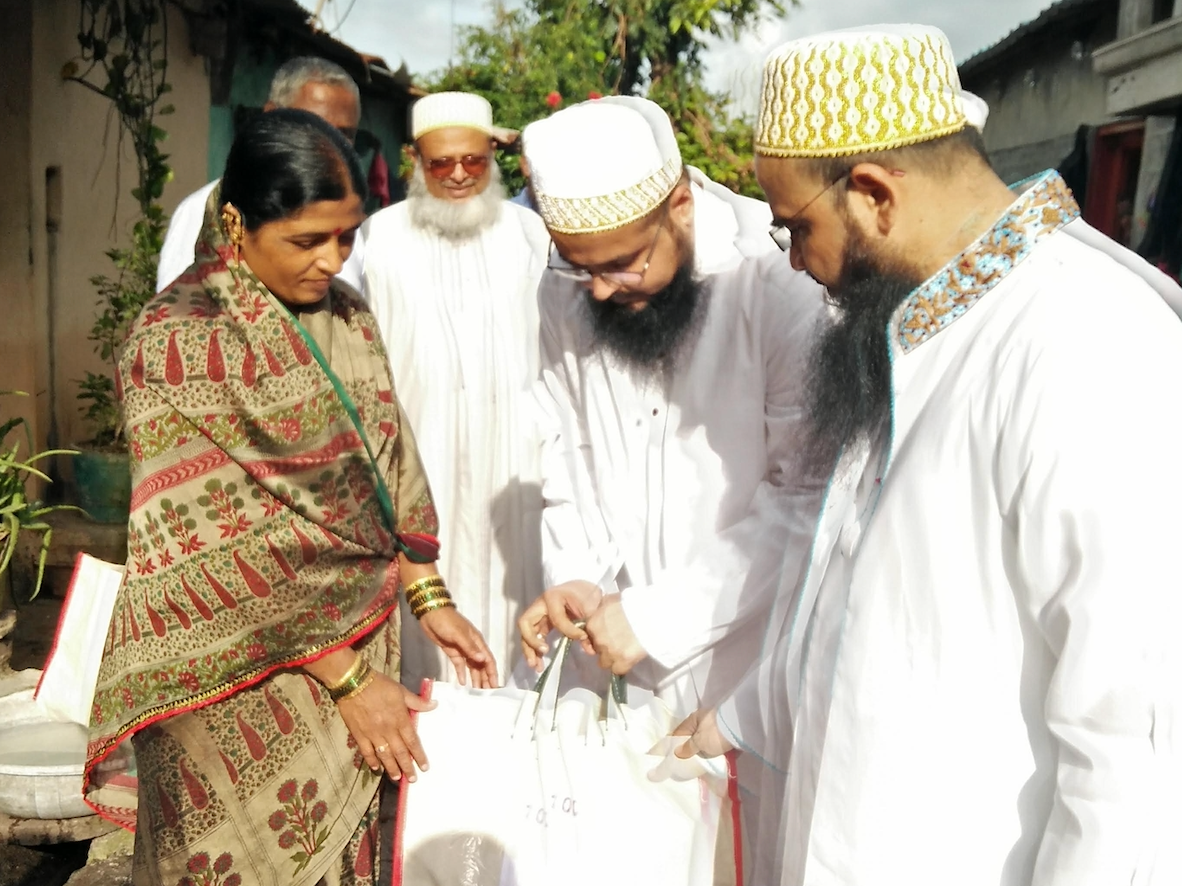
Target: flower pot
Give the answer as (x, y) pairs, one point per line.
(103, 483)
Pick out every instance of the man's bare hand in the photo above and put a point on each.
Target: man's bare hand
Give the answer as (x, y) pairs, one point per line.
(612, 638)
(705, 738)
(557, 609)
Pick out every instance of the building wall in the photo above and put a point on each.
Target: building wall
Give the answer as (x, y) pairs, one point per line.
(1039, 92)
(73, 139)
(20, 331)
(65, 196)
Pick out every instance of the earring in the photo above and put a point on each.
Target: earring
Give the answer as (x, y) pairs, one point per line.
(232, 225)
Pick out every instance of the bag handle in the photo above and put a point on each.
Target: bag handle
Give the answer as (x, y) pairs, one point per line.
(617, 687)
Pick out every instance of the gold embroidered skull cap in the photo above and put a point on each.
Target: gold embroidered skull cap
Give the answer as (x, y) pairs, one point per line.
(862, 90)
(442, 110)
(601, 164)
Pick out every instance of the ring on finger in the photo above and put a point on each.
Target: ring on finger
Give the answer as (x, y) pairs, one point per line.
(381, 749)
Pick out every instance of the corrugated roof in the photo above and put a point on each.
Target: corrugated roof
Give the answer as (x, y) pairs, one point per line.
(1059, 13)
(367, 69)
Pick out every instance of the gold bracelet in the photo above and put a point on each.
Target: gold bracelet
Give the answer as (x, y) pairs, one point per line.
(427, 596)
(431, 607)
(353, 684)
(349, 676)
(358, 689)
(431, 581)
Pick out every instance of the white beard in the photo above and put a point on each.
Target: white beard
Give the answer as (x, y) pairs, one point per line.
(454, 220)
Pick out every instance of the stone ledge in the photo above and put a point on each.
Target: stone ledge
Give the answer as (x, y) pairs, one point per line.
(1160, 39)
(108, 872)
(117, 844)
(47, 831)
(72, 533)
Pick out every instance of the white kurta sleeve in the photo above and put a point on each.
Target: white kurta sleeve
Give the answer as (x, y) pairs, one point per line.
(734, 578)
(353, 269)
(180, 240)
(576, 544)
(1096, 551)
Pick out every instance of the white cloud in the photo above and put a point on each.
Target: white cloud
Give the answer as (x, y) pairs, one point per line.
(418, 32)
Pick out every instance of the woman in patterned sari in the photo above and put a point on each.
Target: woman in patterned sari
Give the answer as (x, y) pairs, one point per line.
(278, 506)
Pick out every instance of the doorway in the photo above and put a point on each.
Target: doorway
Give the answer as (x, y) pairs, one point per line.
(1112, 179)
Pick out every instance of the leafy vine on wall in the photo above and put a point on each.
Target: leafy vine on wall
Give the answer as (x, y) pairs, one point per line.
(123, 56)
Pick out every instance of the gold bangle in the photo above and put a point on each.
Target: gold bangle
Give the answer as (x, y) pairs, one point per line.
(358, 689)
(423, 584)
(353, 685)
(427, 596)
(348, 677)
(431, 607)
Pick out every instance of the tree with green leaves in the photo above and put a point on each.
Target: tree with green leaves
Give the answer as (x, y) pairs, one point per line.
(531, 60)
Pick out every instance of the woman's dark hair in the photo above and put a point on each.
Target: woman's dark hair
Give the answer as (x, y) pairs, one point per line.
(285, 159)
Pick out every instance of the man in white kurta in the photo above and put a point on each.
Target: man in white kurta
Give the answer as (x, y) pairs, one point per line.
(306, 83)
(453, 282)
(671, 491)
(979, 681)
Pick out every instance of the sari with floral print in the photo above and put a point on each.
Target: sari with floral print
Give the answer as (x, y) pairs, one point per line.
(269, 457)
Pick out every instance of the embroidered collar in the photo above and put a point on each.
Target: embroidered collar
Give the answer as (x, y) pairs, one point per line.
(1045, 206)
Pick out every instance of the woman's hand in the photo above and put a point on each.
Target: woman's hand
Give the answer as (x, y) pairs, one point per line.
(378, 718)
(463, 644)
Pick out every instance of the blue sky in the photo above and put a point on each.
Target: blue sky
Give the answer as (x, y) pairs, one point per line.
(419, 32)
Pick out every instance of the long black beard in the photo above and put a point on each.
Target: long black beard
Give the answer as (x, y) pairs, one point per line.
(849, 377)
(651, 339)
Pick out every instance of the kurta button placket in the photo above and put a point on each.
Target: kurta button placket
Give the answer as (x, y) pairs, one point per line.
(655, 469)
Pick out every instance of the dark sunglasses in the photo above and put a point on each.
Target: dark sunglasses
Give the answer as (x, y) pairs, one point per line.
(442, 167)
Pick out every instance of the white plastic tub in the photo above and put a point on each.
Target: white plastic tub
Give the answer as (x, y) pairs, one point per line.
(40, 762)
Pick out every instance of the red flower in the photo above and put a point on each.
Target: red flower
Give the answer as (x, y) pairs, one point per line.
(594, 95)
(233, 880)
(189, 680)
(277, 820)
(554, 99)
(310, 790)
(223, 863)
(287, 839)
(199, 863)
(319, 811)
(287, 791)
(256, 651)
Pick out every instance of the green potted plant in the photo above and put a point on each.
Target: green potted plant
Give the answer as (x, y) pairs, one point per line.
(17, 512)
(123, 57)
(102, 469)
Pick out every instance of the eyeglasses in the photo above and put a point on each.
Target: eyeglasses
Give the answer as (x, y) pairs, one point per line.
(615, 278)
(781, 233)
(442, 167)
